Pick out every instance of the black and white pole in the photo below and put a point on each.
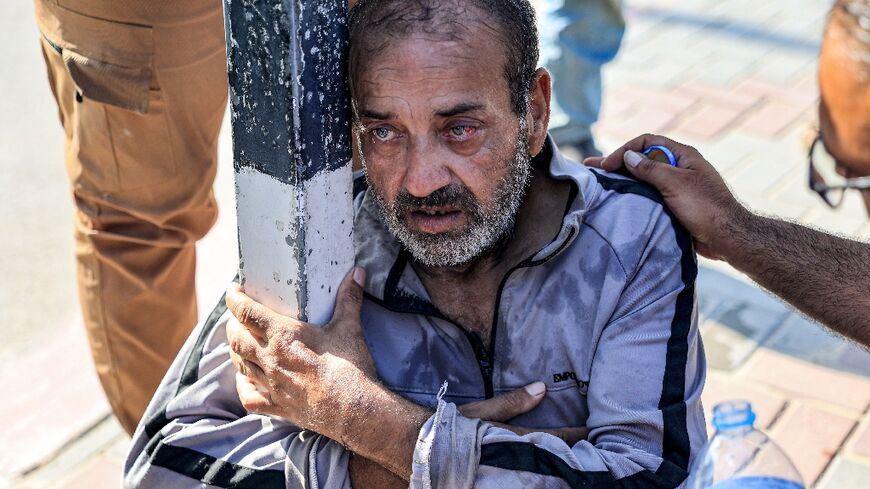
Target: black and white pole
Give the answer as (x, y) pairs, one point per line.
(291, 151)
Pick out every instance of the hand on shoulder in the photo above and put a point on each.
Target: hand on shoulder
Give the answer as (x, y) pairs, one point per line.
(694, 191)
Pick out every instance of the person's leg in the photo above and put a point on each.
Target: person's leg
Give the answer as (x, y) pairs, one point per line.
(589, 35)
(141, 108)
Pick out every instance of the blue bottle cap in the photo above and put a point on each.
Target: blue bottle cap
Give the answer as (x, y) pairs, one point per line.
(661, 153)
(733, 414)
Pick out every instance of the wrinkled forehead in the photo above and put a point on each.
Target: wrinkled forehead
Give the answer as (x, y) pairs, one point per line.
(433, 70)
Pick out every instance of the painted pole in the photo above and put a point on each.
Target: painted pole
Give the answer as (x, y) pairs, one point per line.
(291, 151)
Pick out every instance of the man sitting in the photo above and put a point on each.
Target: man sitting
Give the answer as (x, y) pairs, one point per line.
(489, 263)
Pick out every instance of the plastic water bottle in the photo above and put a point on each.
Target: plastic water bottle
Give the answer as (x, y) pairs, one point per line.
(741, 457)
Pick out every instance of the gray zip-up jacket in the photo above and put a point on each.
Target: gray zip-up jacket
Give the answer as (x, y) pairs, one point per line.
(605, 315)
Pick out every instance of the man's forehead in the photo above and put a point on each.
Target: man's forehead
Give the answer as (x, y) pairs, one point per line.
(386, 107)
(430, 55)
(447, 73)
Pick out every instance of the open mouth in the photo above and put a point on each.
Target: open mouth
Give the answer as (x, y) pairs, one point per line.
(435, 220)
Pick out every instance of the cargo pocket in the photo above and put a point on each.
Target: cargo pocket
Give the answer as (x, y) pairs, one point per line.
(120, 128)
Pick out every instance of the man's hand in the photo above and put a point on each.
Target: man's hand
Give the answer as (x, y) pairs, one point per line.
(694, 191)
(308, 375)
(501, 409)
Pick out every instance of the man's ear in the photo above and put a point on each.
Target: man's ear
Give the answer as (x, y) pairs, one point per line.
(539, 110)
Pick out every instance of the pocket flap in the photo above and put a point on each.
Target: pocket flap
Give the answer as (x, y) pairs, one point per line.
(110, 62)
(109, 84)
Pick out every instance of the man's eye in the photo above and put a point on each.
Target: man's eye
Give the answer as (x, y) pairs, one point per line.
(461, 132)
(382, 133)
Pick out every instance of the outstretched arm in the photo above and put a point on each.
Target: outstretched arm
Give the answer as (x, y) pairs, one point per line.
(825, 276)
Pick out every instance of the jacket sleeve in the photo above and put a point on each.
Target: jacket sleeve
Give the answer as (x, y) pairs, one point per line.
(195, 432)
(645, 416)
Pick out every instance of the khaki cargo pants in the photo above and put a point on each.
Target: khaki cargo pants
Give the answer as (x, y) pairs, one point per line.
(141, 90)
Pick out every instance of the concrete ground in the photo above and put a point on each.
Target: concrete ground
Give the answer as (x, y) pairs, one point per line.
(734, 78)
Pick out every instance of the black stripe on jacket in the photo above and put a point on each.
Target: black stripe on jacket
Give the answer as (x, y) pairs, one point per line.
(191, 463)
(676, 447)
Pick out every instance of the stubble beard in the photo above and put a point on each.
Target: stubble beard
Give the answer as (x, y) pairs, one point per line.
(488, 229)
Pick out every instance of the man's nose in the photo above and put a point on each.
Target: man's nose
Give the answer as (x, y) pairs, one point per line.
(426, 171)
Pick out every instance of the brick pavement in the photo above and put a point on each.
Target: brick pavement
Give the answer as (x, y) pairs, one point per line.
(736, 79)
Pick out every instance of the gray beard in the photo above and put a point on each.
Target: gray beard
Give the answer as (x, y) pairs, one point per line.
(488, 228)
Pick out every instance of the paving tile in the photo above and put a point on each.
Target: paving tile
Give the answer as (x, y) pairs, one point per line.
(637, 31)
(722, 71)
(118, 450)
(772, 206)
(707, 121)
(804, 93)
(78, 452)
(849, 219)
(845, 473)
(616, 103)
(35, 429)
(670, 100)
(639, 121)
(810, 437)
(743, 50)
(808, 82)
(734, 331)
(801, 338)
(663, 74)
(101, 473)
(859, 442)
(622, 100)
(645, 70)
(726, 156)
(707, 303)
(806, 28)
(719, 96)
(722, 387)
(747, 13)
(769, 162)
(771, 119)
(731, 287)
(804, 379)
(784, 67)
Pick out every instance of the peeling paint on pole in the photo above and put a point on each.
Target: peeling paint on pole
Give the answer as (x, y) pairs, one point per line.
(291, 148)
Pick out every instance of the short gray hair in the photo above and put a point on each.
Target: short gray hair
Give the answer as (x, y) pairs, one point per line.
(374, 22)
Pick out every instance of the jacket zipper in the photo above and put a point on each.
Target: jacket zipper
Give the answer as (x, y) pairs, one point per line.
(487, 358)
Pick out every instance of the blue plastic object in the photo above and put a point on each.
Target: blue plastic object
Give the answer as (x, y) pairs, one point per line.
(758, 483)
(661, 153)
(740, 456)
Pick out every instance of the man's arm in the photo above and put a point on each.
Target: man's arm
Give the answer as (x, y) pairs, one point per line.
(196, 433)
(324, 380)
(825, 276)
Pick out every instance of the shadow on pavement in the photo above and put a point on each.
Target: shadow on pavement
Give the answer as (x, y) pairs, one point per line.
(738, 317)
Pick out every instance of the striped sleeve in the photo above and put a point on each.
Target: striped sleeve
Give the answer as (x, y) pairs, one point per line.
(645, 416)
(195, 433)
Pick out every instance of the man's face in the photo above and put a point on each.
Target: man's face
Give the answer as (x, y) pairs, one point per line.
(446, 158)
(844, 110)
